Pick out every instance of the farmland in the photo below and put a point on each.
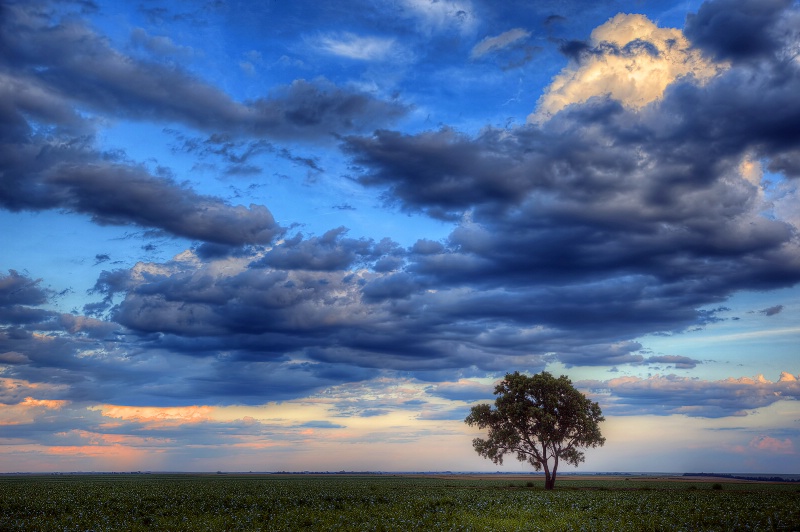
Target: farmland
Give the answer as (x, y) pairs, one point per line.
(388, 502)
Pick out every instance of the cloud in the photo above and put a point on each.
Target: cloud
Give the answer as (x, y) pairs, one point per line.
(462, 390)
(442, 15)
(237, 154)
(771, 311)
(718, 26)
(78, 179)
(321, 425)
(670, 394)
(158, 44)
(15, 416)
(17, 289)
(12, 357)
(330, 300)
(157, 416)
(117, 431)
(493, 44)
(124, 87)
(606, 222)
(356, 47)
(680, 362)
(772, 445)
(48, 148)
(509, 49)
(787, 377)
(571, 238)
(329, 252)
(628, 59)
(21, 392)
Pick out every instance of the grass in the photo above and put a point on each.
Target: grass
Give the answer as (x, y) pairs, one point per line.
(339, 502)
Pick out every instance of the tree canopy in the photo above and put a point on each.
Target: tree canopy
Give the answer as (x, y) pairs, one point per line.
(541, 419)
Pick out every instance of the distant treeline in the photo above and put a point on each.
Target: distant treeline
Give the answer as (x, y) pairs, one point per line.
(762, 478)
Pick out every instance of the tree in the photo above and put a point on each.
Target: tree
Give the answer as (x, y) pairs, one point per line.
(540, 418)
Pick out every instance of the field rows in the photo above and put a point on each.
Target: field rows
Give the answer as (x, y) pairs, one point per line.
(223, 502)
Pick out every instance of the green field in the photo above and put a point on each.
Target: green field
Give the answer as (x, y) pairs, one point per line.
(386, 502)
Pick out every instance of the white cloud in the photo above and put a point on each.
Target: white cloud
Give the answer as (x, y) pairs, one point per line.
(356, 47)
(493, 44)
(439, 15)
(631, 60)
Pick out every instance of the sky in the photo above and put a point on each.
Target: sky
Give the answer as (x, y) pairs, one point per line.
(309, 236)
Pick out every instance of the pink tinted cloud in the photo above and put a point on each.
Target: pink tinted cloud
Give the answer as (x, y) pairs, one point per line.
(672, 394)
(772, 445)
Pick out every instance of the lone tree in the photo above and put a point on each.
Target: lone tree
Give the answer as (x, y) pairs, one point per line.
(541, 419)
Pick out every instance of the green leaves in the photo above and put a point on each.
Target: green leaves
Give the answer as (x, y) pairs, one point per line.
(541, 419)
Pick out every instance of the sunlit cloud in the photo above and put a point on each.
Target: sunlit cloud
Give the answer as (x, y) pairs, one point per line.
(51, 404)
(158, 416)
(628, 59)
(28, 410)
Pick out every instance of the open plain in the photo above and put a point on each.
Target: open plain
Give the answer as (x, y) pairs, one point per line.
(196, 502)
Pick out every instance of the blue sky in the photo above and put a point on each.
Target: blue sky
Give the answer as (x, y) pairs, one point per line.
(293, 236)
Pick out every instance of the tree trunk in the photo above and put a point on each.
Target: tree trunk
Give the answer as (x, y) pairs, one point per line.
(548, 483)
(550, 477)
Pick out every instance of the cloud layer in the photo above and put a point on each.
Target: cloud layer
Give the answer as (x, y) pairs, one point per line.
(572, 239)
(61, 78)
(671, 394)
(655, 178)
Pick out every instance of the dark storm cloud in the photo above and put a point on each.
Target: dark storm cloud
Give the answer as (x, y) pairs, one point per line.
(257, 313)
(17, 289)
(606, 222)
(50, 351)
(53, 67)
(77, 358)
(442, 172)
(66, 60)
(742, 29)
(573, 239)
(39, 175)
(574, 49)
(304, 296)
(330, 252)
(19, 297)
(367, 319)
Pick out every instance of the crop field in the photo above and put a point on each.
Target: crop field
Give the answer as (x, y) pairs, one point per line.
(386, 502)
